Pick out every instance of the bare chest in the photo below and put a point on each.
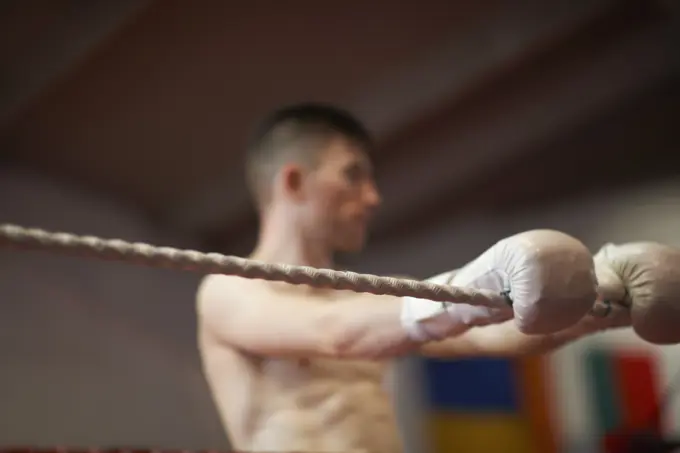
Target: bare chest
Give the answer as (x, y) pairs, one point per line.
(339, 406)
(304, 404)
(317, 382)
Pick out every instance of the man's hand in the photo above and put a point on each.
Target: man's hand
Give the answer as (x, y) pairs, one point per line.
(645, 278)
(548, 276)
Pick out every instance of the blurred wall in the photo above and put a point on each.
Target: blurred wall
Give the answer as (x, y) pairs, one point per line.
(93, 353)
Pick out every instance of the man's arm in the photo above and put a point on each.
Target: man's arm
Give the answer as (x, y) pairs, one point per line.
(248, 315)
(251, 316)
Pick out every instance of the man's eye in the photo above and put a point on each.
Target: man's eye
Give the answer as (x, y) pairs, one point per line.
(354, 174)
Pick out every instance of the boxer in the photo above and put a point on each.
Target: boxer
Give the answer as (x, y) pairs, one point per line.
(294, 368)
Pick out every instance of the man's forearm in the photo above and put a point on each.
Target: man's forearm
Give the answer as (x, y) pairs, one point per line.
(368, 327)
(503, 340)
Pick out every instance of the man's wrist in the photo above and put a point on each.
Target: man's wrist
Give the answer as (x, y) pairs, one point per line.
(419, 318)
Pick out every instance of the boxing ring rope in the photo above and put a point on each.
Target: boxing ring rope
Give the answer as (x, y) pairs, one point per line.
(17, 237)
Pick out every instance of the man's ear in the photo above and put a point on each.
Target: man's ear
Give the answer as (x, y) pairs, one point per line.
(293, 181)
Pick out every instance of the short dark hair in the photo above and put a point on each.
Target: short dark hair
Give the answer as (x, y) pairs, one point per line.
(297, 132)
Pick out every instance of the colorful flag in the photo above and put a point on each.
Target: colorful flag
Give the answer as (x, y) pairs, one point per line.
(487, 405)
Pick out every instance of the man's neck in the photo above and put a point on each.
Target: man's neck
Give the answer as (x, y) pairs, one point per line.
(280, 245)
(288, 253)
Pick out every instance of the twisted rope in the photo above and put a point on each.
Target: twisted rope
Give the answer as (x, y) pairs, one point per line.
(17, 237)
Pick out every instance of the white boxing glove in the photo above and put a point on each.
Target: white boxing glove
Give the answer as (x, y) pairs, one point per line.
(547, 276)
(645, 277)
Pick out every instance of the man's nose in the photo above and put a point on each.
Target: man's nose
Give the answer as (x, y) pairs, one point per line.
(372, 196)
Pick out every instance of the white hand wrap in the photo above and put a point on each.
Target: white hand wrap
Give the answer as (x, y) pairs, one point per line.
(427, 320)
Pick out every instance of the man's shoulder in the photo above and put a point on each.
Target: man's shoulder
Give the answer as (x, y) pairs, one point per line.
(222, 282)
(223, 288)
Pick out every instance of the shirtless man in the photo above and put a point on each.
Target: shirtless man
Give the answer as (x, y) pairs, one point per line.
(293, 368)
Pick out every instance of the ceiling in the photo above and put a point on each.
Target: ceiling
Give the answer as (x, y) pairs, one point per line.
(475, 105)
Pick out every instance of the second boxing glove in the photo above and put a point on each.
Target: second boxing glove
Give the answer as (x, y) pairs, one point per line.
(644, 276)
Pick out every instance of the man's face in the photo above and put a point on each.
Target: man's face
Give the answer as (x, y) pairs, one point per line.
(342, 195)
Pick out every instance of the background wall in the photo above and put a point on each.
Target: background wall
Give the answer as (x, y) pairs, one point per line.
(93, 353)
